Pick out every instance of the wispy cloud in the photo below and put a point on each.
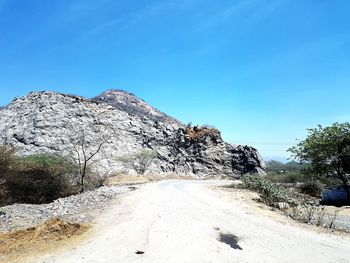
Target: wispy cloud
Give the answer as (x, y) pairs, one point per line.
(160, 8)
(248, 12)
(108, 23)
(131, 18)
(77, 10)
(81, 8)
(96, 29)
(267, 9)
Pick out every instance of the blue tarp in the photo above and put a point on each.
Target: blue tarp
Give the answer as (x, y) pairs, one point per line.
(336, 196)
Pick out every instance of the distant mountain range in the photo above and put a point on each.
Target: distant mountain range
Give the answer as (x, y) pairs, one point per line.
(276, 158)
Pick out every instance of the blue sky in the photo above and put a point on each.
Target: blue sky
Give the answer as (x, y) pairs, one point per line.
(262, 71)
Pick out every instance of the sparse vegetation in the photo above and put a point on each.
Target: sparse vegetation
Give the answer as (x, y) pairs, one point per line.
(290, 172)
(273, 166)
(332, 218)
(7, 158)
(290, 204)
(312, 188)
(139, 161)
(327, 149)
(290, 177)
(313, 215)
(270, 193)
(197, 132)
(299, 177)
(86, 143)
(39, 179)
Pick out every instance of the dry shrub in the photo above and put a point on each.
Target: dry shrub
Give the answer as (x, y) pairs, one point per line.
(7, 158)
(94, 181)
(289, 177)
(270, 193)
(312, 188)
(332, 219)
(201, 132)
(139, 161)
(38, 179)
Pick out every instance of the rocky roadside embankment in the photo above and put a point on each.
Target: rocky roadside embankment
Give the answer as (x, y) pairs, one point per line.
(79, 208)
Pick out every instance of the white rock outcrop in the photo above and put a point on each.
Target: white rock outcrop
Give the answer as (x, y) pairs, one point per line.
(43, 122)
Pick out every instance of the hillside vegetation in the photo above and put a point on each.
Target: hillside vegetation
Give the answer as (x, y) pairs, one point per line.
(39, 178)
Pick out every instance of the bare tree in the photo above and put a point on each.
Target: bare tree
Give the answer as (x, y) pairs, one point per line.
(139, 161)
(86, 142)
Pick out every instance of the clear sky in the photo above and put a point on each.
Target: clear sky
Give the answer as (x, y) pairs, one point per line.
(262, 71)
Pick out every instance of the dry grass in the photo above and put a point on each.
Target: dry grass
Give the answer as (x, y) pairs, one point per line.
(122, 179)
(252, 203)
(201, 132)
(125, 179)
(21, 244)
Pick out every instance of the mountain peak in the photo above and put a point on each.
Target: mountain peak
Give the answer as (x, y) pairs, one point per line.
(45, 122)
(128, 102)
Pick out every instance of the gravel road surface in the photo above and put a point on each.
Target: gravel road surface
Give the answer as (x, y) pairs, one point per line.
(190, 221)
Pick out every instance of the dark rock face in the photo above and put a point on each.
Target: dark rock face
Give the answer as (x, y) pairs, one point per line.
(128, 102)
(207, 154)
(40, 122)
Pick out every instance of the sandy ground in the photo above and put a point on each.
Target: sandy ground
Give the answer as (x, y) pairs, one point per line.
(181, 221)
(127, 179)
(34, 241)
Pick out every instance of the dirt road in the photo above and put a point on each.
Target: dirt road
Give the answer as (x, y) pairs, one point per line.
(181, 221)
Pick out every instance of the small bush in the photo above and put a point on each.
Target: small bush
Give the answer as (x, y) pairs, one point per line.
(198, 132)
(313, 215)
(270, 193)
(332, 219)
(139, 161)
(312, 188)
(93, 181)
(40, 179)
(320, 218)
(7, 158)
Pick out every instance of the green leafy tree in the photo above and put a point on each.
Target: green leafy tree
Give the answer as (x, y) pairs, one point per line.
(327, 149)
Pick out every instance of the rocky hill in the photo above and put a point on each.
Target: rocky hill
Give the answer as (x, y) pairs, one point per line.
(44, 122)
(128, 102)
